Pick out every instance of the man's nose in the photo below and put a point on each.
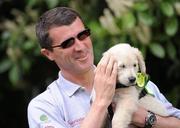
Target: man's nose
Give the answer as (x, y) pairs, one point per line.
(78, 44)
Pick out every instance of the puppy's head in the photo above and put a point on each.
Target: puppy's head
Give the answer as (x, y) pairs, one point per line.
(130, 61)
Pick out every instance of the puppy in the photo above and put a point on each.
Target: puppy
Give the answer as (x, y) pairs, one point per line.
(130, 62)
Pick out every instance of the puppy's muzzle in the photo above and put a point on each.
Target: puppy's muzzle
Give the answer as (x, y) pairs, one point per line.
(132, 79)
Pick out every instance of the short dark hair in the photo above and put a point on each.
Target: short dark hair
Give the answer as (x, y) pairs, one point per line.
(58, 16)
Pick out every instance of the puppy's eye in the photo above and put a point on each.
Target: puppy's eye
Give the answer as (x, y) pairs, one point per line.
(135, 65)
(122, 66)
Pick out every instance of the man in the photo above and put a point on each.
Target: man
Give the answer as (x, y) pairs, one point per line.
(67, 102)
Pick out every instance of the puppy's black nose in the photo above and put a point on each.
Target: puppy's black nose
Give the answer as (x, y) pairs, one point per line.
(132, 79)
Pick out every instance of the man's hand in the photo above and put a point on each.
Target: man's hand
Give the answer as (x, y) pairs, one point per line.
(139, 116)
(105, 80)
(104, 86)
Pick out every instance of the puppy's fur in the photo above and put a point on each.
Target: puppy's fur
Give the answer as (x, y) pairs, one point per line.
(130, 61)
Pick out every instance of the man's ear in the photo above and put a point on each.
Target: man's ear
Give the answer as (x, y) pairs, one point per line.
(47, 53)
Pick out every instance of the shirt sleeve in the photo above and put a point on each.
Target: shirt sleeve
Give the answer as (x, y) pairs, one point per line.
(42, 114)
(170, 108)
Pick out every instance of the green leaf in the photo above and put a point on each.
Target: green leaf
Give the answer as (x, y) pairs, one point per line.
(167, 9)
(31, 3)
(5, 65)
(128, 20)
(98, 31)
(28, 45)
(141, 79)
(141, 6)
(146, 18)
(5, 35)
(14, 75)
(26, 64)
(52, 3)
(157, 50)
(171, 26)
(171, 50)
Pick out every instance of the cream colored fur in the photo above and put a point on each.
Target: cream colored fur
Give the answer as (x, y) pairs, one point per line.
(130, 61)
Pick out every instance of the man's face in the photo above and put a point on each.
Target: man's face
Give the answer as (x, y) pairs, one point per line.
(75, 59)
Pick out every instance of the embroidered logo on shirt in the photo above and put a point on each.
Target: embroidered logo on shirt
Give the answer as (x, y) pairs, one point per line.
(46, 122)
(43, 118)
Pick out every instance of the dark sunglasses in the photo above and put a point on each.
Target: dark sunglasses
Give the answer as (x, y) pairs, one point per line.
(69, 42)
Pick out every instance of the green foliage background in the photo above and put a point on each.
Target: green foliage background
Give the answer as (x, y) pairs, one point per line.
(150, 25)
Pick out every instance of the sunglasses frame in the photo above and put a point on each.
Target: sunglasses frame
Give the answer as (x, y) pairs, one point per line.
(70, 41)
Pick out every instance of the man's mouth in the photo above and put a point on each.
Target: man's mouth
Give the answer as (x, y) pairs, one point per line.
(82, 57)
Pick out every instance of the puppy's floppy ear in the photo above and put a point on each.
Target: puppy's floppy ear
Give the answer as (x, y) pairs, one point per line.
(141, 62)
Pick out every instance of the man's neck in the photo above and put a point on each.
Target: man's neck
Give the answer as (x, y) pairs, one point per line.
(84, 79)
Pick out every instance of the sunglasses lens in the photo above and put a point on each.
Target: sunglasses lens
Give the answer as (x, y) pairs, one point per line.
(68, 43)
(84, 34)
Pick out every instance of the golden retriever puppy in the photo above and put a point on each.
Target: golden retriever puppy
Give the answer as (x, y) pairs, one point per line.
(130, 62)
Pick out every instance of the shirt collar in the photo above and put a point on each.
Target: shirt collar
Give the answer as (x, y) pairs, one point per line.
(67, 86)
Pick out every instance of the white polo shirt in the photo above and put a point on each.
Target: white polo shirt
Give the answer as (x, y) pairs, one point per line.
(65, 104)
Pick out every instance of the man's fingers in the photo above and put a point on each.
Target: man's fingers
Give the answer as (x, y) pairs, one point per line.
(110, 66)
(103, 63)
(114, 71)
